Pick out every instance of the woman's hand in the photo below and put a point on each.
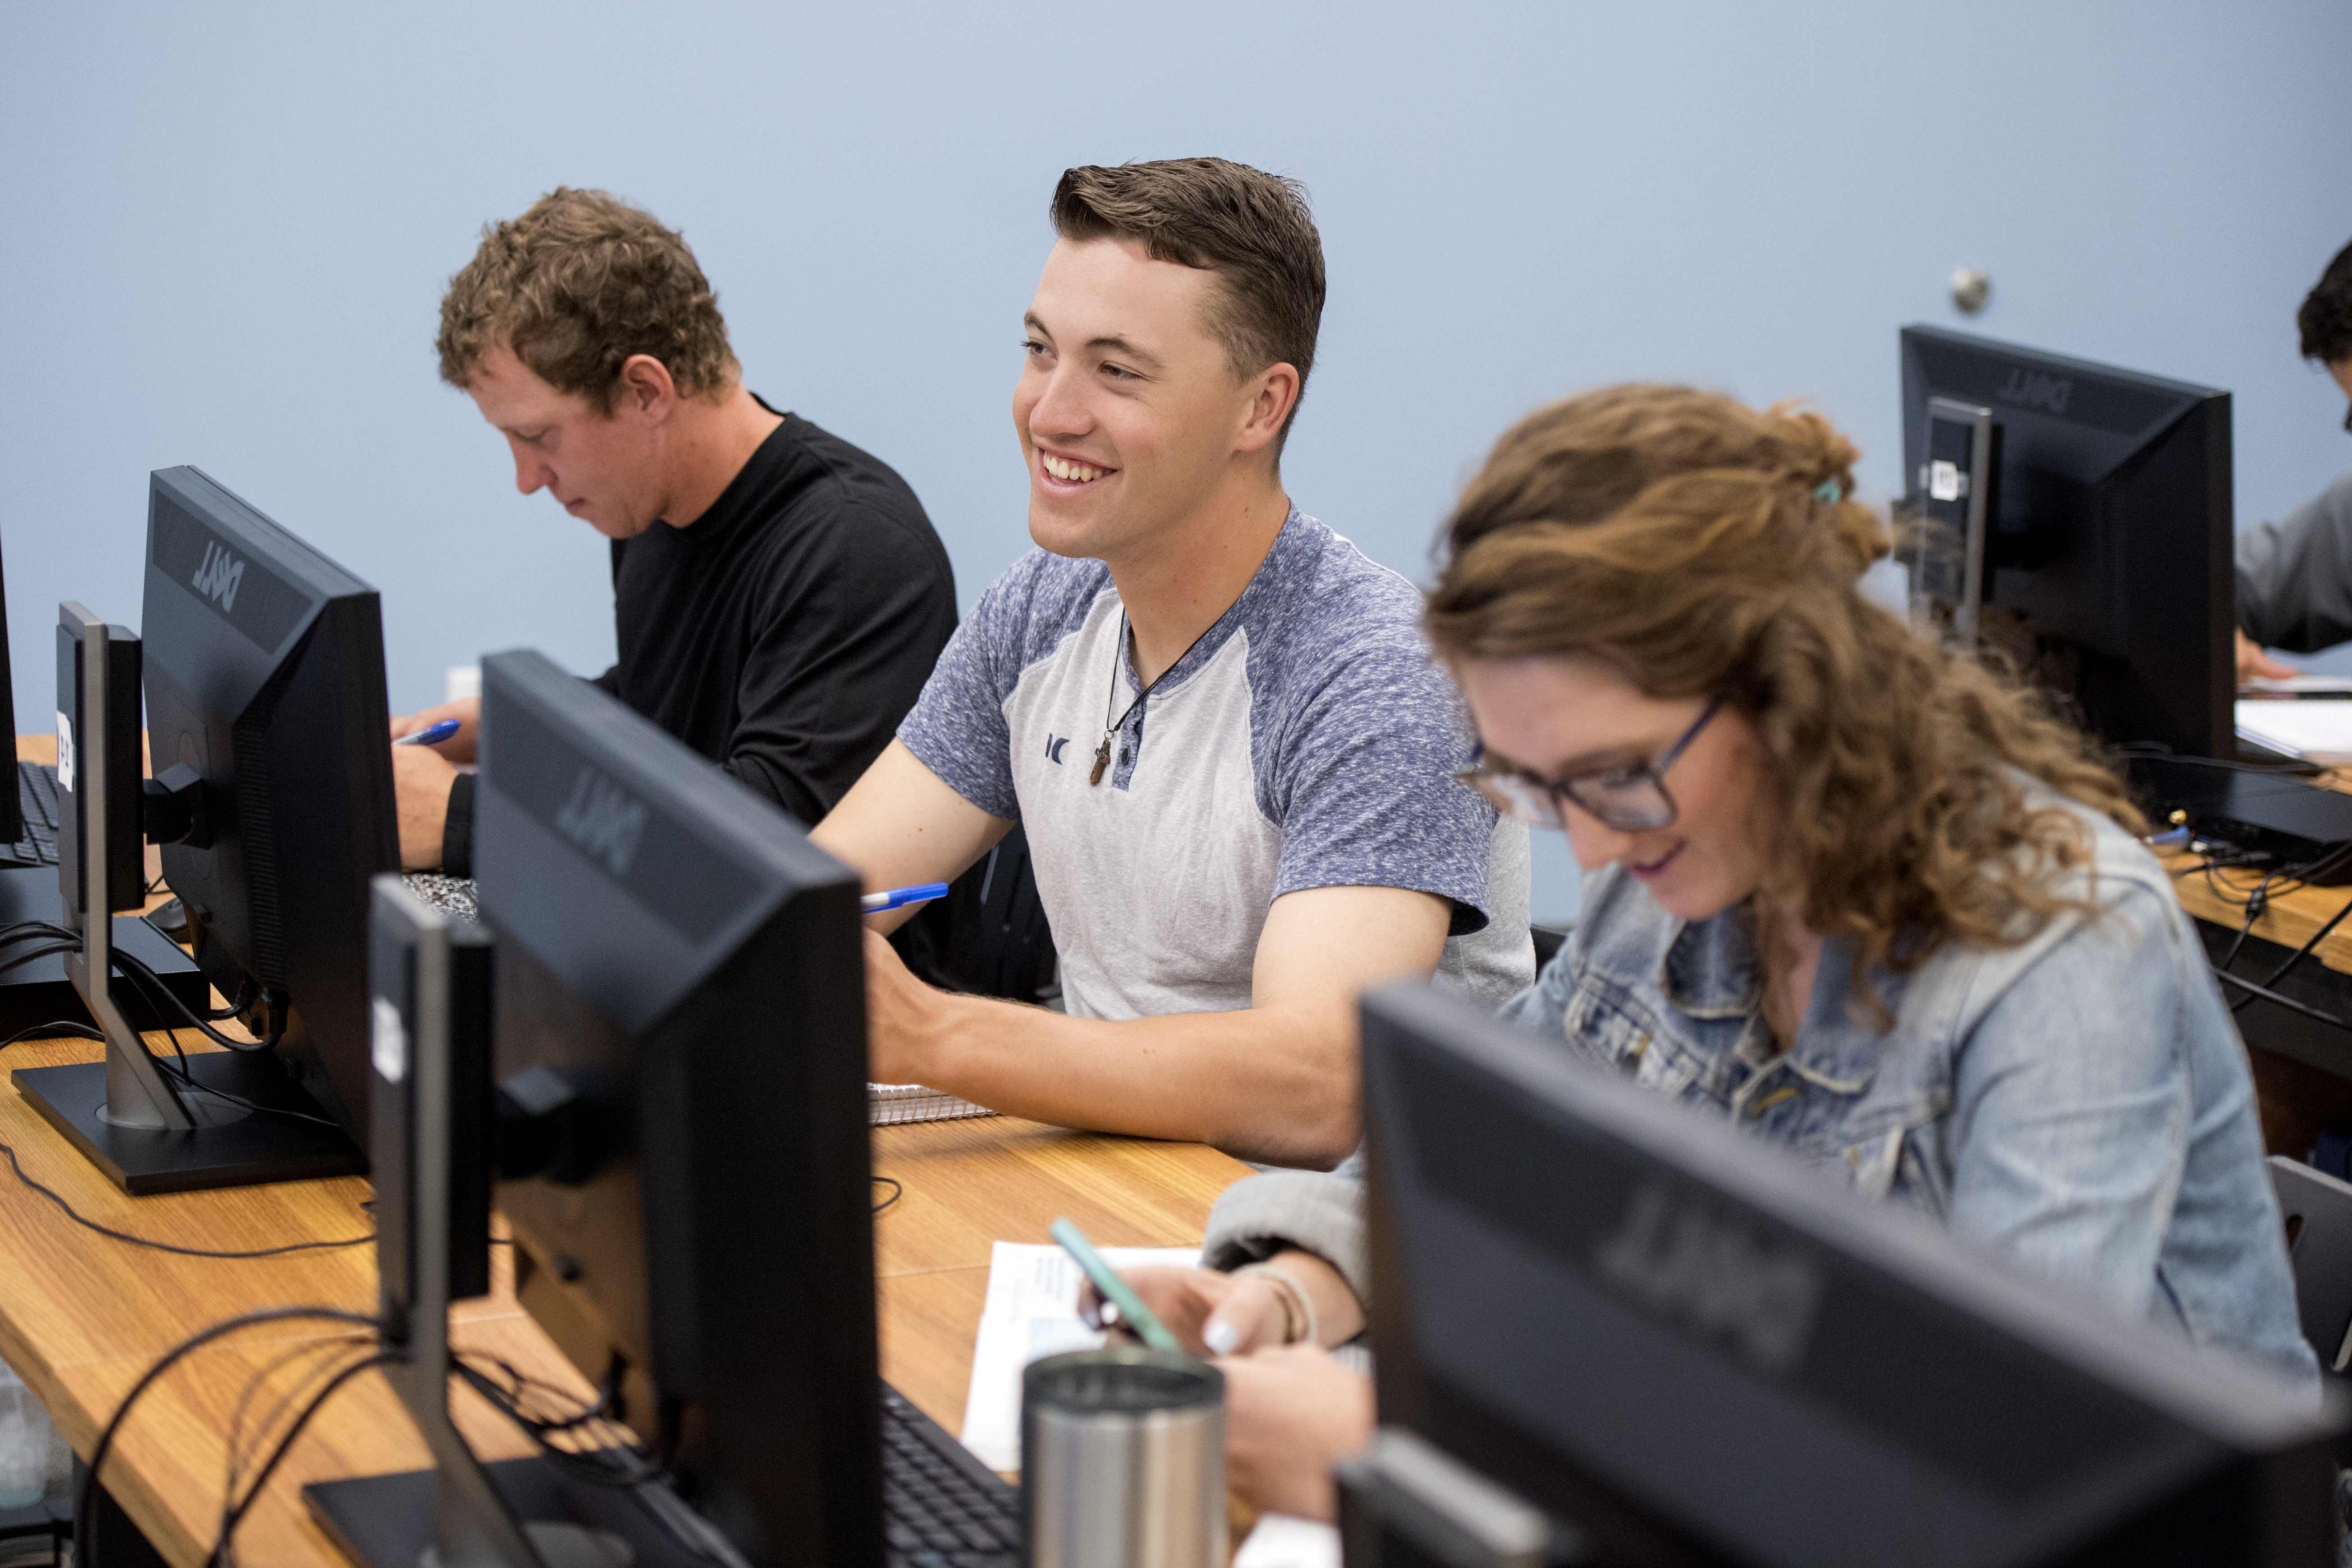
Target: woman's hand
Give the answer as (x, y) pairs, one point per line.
(1210, 1313)
(1213, 1313)
(1290, 1416)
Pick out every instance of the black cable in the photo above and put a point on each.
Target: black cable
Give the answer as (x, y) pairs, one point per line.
(235, 1515)
(143, 977)
(187, 1082)
(2255, 902)
(2289, 1002)
(63, 1028)
(2300, 953)
(897, 1192)
(336, 1344)
(137, 971)
(618, 1464)
(171, 1246)
(86, 1496)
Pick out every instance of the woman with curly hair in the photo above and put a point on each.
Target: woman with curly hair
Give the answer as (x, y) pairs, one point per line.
(1860, 895)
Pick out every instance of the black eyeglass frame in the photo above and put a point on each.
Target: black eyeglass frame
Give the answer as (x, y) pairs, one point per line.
(1480, 777)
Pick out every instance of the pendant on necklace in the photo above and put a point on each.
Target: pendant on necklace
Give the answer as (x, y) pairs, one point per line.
(1102, 761)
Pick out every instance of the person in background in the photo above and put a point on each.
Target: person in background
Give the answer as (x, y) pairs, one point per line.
(1215, 719)
(1866, 899)
(779, 596)
(2294, 578)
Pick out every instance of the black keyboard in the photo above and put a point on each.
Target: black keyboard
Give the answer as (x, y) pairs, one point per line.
(36, 791)
(942, 1508)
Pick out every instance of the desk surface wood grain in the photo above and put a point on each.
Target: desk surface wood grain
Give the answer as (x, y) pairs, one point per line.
(82, 1317)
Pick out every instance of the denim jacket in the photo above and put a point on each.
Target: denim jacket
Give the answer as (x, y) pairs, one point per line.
(2080, 1102)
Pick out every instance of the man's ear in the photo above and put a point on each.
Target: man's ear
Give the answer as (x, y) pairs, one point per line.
(1272, 394)
(645, 388)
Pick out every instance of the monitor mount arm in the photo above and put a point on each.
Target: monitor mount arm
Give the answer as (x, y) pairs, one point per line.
(137, 1093)
(472, 1526)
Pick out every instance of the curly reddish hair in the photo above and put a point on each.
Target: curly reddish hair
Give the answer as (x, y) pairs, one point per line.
(1691, 543)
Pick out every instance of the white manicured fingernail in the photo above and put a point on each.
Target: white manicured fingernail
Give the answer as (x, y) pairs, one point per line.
(1220, 1336)
(1106, 1315)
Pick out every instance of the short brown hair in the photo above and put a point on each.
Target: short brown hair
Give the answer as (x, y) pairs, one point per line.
(577, 284)
(1251, 228)
(1699, 547)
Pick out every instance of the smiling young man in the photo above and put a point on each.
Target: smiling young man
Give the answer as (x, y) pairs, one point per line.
(1214, 718)
(779, 596)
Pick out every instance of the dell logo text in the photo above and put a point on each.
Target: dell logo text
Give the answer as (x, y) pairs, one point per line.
(218, 577)
(603, 821)
(1715, 1275)
(2037, 389)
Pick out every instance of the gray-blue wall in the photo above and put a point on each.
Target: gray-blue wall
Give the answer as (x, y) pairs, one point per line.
(224, 230)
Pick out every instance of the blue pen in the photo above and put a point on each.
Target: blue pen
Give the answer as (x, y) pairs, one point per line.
(431, 735)
(899, 897)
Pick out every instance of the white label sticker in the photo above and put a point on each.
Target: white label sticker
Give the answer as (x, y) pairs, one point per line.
(390, 1049)
(65, 753)
(1943, 481)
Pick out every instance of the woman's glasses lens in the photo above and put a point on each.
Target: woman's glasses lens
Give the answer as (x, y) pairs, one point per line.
(1631, 805)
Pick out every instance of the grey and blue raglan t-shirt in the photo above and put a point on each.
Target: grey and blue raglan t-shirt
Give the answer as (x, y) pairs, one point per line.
(1306, 740)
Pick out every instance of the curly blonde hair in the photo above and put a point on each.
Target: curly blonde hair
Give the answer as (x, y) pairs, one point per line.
(1697, 546)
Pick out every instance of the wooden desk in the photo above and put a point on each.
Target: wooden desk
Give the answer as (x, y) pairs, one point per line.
(82, 1317)
(2303, 1069)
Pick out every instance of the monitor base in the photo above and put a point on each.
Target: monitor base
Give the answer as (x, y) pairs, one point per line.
(255, 1147)
(387, 1521)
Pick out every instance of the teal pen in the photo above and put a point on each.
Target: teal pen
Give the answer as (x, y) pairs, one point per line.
(1114, 1290)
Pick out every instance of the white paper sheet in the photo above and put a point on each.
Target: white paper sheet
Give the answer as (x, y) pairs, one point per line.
(1284, 1541)
(2324, 685)
(1031, 1311)
(2318, 729)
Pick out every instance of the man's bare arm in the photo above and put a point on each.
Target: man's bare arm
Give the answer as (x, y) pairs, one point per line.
(1277, 1081)
(901, 824)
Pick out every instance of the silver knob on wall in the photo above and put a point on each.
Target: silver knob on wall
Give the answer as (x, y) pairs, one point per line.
(1971, 287)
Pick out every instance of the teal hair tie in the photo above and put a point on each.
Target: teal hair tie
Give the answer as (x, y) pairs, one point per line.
(1830, 490)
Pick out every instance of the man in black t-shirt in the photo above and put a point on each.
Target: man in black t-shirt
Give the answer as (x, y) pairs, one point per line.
(779, 596)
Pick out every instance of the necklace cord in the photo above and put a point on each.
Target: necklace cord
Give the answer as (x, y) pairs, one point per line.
(1111, 727)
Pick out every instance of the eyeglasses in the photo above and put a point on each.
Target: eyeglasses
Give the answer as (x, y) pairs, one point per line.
(1630, 798)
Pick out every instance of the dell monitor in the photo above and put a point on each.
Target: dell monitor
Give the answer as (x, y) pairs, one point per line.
(2105, 529)
(677, 1067)
(1679, 1345)
(264, 674)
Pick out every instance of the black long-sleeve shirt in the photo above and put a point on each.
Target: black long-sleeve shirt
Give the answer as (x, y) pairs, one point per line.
(785, 632)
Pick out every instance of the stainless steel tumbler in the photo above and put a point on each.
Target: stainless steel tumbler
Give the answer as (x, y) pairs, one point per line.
(1123, 1460)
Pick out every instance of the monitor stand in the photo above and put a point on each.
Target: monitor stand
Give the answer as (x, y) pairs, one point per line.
(391, 1521)
(462, 1514)
(236, 1119)
(286, 1138)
